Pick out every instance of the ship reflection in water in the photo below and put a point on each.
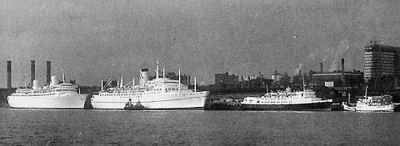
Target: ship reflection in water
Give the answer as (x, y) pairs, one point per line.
(195, 127)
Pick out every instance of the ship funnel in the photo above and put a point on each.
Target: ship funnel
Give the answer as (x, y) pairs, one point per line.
(144, 76)
(35, 84)
(288, 90)
(54, 81)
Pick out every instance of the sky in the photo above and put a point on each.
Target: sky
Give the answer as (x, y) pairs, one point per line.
(93, 40)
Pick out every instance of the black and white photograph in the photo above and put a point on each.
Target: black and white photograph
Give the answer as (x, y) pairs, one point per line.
(199, 72)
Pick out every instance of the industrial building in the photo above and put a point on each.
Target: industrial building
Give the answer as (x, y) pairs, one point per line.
(337, 79)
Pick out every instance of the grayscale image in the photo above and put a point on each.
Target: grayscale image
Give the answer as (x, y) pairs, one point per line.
(199, 72)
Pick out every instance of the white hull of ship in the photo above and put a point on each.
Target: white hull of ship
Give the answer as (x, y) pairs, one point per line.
(366, 108)
(62, 101)
(163, 101)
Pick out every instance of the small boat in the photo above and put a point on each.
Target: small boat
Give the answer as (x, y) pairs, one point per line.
(348, 107)
(137, 106)
(375, 103)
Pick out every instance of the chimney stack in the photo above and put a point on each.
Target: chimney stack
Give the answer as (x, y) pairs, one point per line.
(32, 71)
(188, 82)
(9, 74)
(48, 75)
(322, 67)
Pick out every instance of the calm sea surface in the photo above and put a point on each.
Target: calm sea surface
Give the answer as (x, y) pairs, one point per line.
(196, 127)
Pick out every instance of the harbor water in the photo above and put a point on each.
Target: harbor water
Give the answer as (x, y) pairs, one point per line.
(195, 127)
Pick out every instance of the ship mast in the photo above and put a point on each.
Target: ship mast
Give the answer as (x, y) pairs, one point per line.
(304, 84)
(348, 98)
(133, 80)
(121, 84)
(179, 74)
(195, 85)
(25, 81)
(102, 85)
(63, 77)
(157, 70)
(163, 74)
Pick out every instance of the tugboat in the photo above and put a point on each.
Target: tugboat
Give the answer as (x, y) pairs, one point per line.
(375, 103)
(137, 106)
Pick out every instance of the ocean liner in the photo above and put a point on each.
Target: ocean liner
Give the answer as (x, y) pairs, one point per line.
(64, 95)
(159, 93)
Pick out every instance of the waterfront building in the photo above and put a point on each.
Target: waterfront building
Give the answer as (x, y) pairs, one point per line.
(381, 66)
(225, 81)
(276, 77)
(335, 79)
(342, 83)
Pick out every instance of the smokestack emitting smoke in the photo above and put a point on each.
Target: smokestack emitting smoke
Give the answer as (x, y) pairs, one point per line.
(48, 75)
(32, 71)
(298, 70)
(9, 74)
